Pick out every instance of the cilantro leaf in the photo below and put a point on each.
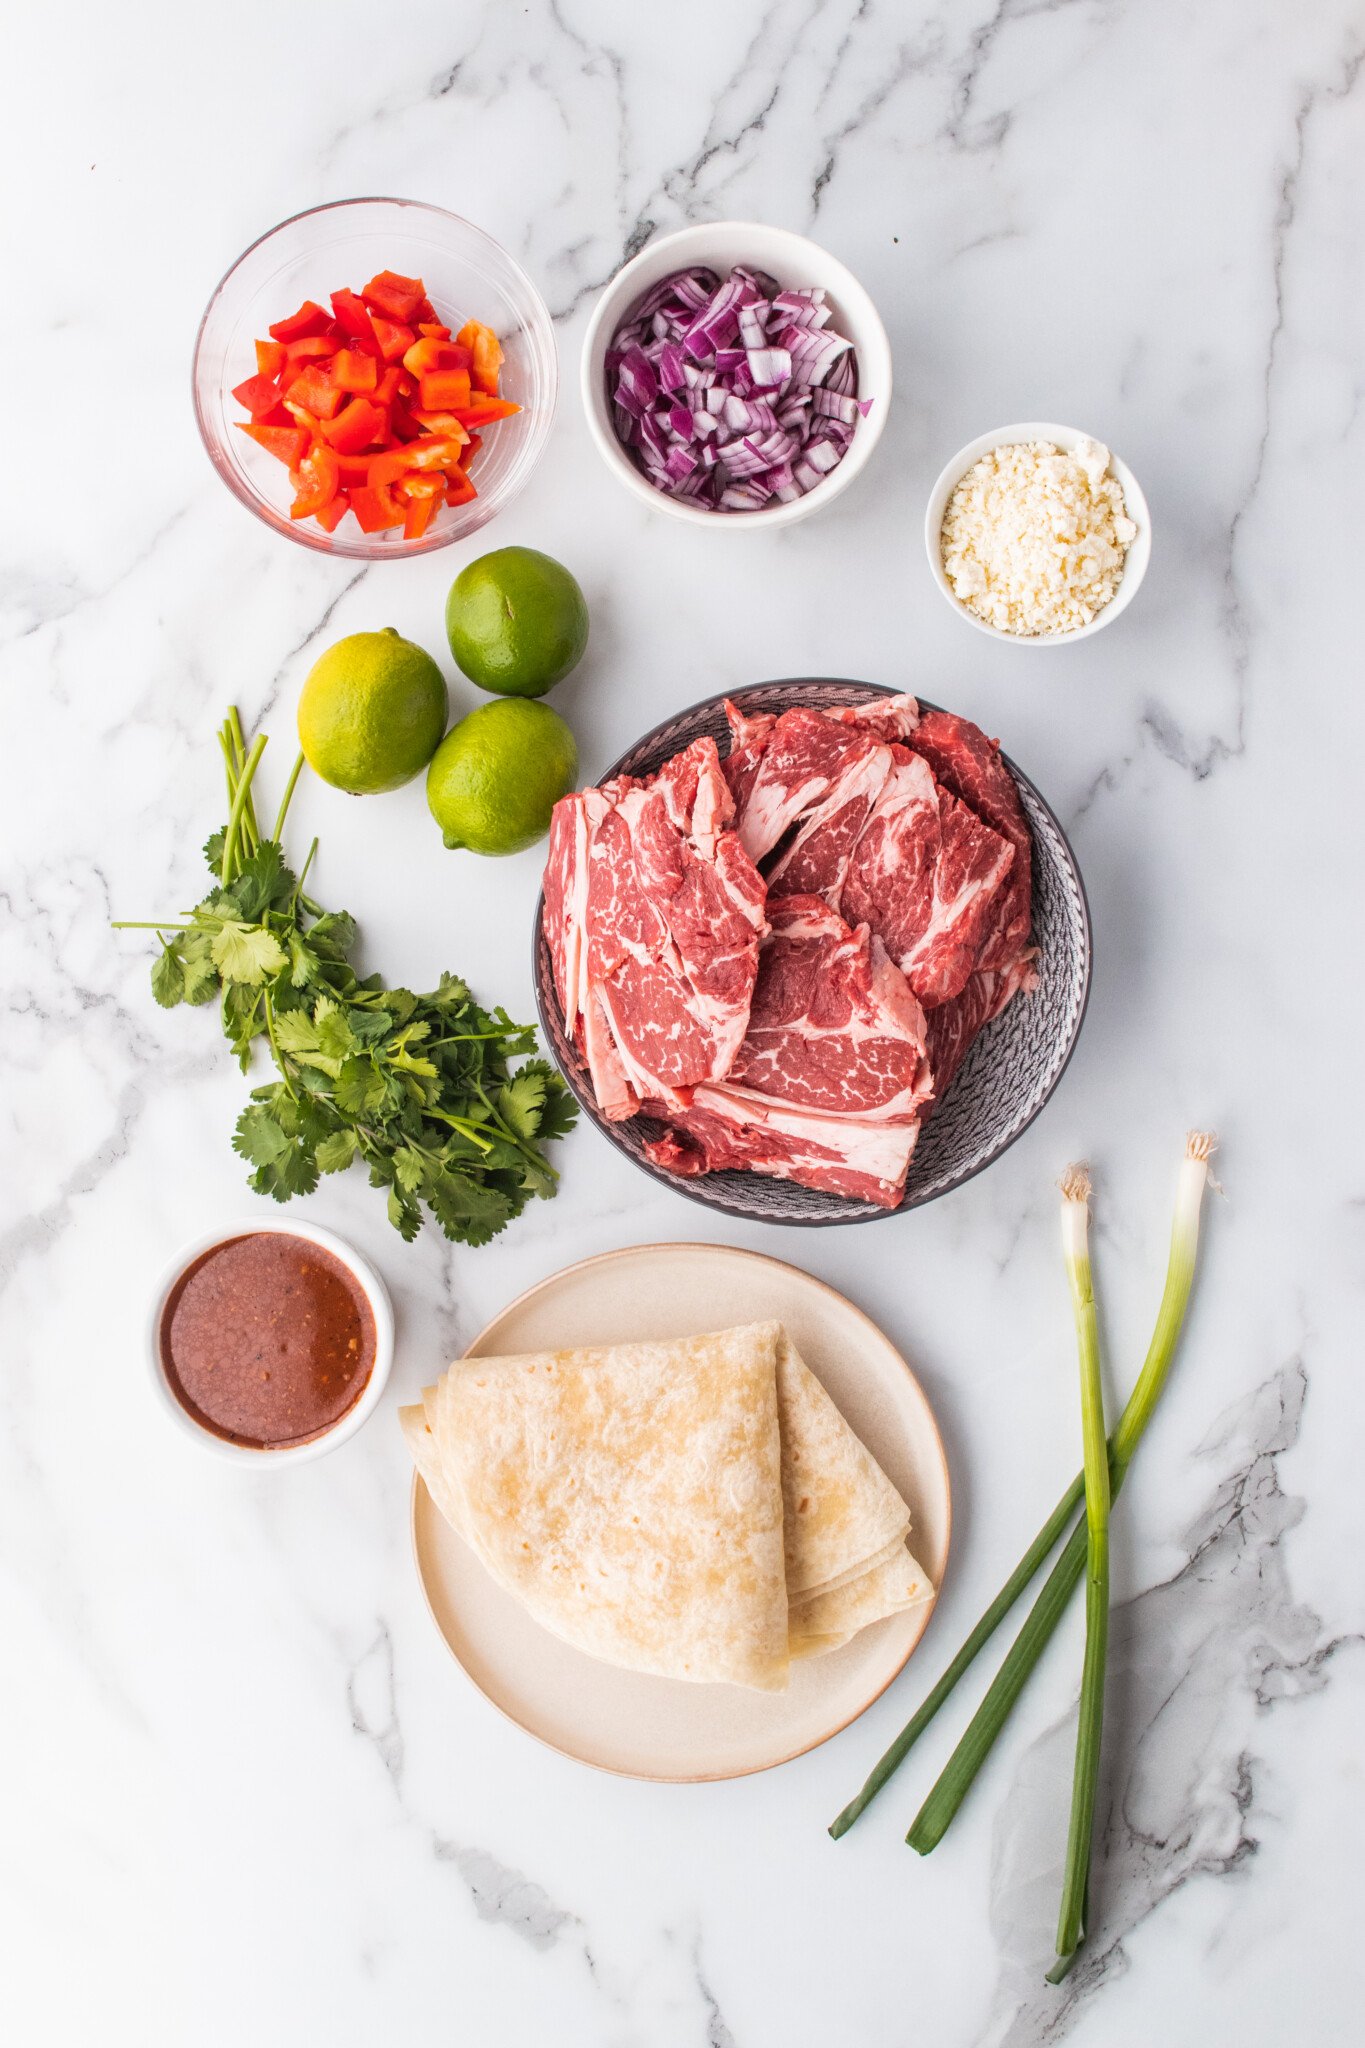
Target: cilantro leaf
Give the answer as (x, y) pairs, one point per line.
(245, 952)
(168, 976)
(336, 1151)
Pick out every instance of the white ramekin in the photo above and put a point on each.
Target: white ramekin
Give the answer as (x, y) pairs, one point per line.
(346, 1426)
(794, 262)
(1135, 562)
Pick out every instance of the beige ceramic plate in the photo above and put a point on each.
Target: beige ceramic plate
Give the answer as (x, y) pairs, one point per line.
(627, 1721)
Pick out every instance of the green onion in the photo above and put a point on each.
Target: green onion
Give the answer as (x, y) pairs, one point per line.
(952, 1786)
(1076, 1251)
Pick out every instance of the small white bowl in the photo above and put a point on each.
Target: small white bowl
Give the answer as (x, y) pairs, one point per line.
(794, 262)
(1135, 561)
(346, 1426)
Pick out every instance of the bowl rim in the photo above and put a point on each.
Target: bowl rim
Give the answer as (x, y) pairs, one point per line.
(1136, 560)
(692, 1191)
(363, 549)
(843, 283)
(376, 1293)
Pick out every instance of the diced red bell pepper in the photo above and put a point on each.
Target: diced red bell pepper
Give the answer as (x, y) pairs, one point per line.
(310, 319)
(395, 296)
(316, 481)
(359, 425)
(483, 411)
(352, 370)
(314, 389)
(393, 336)
(386, 390)
(373, 514)
(373, 406)
(486, 352)
(331, 515)
(431, 353)
(287, 444)
(259, 395)
(444, 390)
(311, 348)
(353, 316)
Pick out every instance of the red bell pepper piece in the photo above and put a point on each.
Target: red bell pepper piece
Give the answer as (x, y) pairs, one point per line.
(431, 353)
(470, 450)
(386, 390)
(486, 352)
(269, 358)
(315, 390)
(397, 297)
(483, 411)
(353, 316)
(259, 395)
(310, 319)
(417, 517)
(373, 514)
(332, 514)
(444, 390)
(352, 370)
(459, 490)
(316, 481)
(434, 327)
(359, 425)
(286, 444)
(355, 469)
(312, 348)
(393, 336)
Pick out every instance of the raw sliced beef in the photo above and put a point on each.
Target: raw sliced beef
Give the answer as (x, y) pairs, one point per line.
(832, 1077)
(953, 1026)
(926, 874)
(653, 915)
(839, 1155)
(812, 1045)
(969, 764)
(833, 1025)
(790, 766)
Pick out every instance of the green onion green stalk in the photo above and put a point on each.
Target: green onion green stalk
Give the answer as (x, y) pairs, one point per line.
(1076, 1252)
(956, 1778)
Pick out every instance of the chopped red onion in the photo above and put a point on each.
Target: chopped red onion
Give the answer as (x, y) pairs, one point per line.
(732, 392)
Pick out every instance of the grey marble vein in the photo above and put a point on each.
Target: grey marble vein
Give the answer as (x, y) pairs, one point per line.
(508, 1897)
(1194, 1663)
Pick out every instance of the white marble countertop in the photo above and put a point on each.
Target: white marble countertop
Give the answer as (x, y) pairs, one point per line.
(246, 1794)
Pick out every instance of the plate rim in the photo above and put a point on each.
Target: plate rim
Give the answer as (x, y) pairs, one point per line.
(694, 1192)
(671, 1245)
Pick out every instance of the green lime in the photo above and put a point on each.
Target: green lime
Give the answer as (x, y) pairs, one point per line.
(371, 712)
(517, 622)
(498, 774)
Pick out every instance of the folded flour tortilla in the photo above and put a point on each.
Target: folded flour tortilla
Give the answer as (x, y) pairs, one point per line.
(629, 1496)
(698, 1509)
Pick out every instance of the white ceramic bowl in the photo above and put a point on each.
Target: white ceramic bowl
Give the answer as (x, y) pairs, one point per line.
(355, 1418)
(794, 262)
(1135, 562)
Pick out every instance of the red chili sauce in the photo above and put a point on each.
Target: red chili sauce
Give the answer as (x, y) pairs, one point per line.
(267, 1340)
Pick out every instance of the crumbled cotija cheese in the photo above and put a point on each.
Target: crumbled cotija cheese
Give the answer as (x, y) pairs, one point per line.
(1034, 540)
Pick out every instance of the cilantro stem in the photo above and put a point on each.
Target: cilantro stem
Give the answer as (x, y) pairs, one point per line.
(299, 896)
(148, 924)
(278, 834)
(239, 804)
(275, 1045)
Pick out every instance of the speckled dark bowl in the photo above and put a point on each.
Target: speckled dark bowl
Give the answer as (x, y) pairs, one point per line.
(1008, 1075)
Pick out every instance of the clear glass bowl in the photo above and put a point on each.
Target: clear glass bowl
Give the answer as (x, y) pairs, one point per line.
(467, 276)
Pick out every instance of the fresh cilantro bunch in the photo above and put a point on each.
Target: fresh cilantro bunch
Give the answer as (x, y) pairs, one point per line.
(422, 1088)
